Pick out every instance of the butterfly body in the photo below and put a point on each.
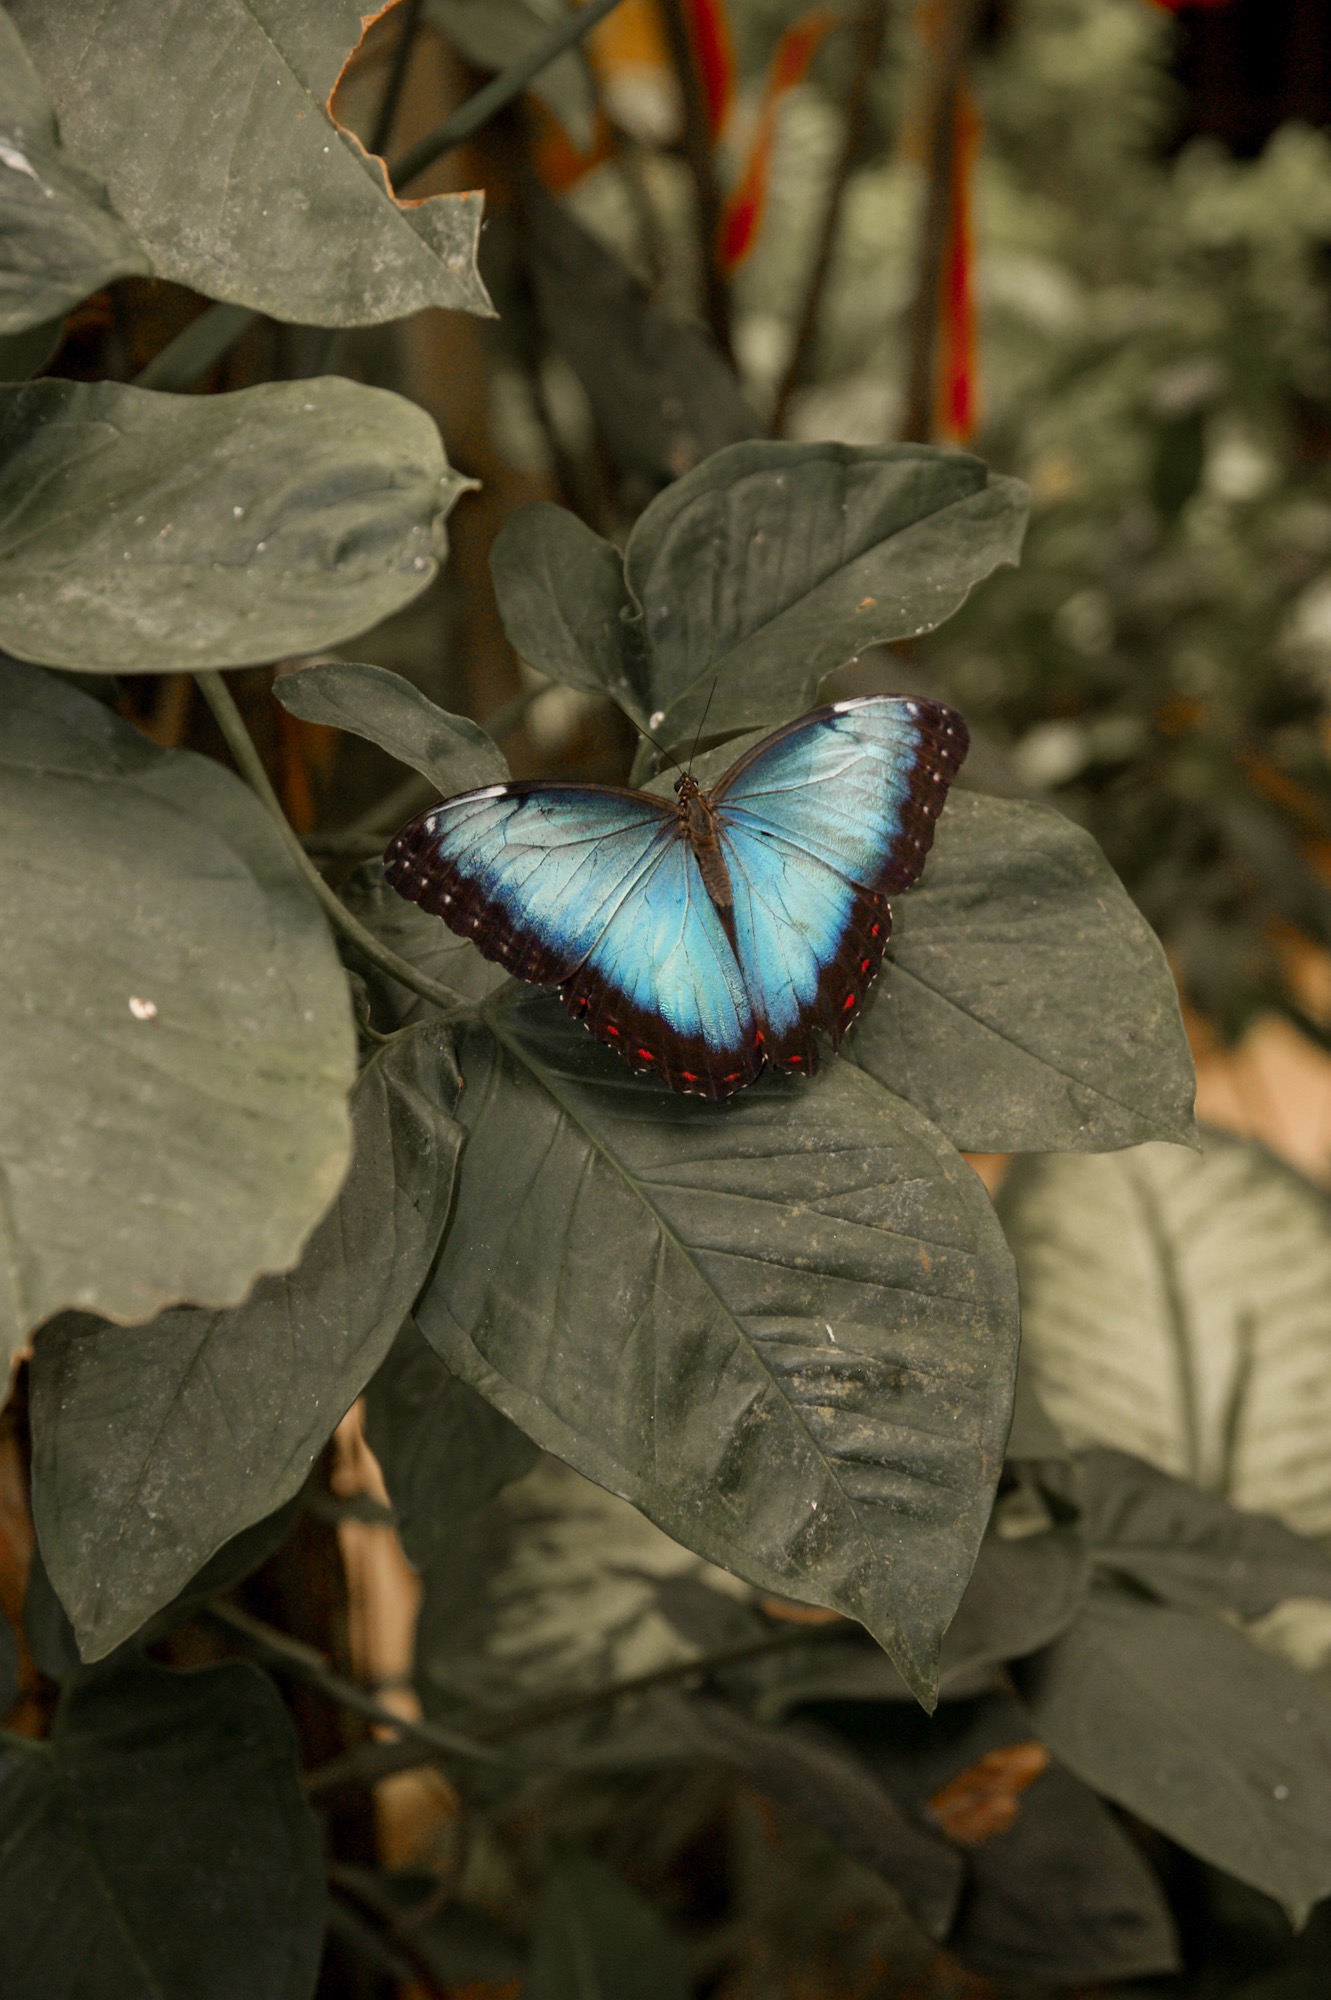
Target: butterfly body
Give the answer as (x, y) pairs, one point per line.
(707, 938)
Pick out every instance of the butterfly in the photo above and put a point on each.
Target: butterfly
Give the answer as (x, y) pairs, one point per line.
(704, 939)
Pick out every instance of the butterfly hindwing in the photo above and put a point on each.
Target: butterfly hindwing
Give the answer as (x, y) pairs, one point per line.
(593, 889)
(817, 824)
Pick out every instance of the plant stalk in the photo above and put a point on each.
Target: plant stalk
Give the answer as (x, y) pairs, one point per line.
(870, 34)
(944, 68)
(698, 155)
(250, 765)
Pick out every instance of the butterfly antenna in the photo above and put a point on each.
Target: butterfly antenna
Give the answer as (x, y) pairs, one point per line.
(660, 749)
(697, 739)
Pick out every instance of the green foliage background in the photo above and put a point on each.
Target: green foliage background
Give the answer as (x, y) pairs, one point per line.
(774, 1621)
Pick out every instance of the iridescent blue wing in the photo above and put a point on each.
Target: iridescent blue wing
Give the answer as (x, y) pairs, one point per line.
(818, 824)
(592, 889)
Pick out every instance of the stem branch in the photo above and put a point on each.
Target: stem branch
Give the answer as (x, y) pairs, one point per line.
(250, 765)
(870, 32)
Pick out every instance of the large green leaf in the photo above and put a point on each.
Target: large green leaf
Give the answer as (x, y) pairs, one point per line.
(157, 1845)
(785, 1329)
(597, 1939)
(1208, 1278)
(145, 533)
(452, 752)
(443, 1449)
(770, 564)
(176, 1042)
(1027, 1005)
(1189, 1548)
(239, 184)
(62, 238)
(565, 605)
(1186, 1723)
(153, 1445)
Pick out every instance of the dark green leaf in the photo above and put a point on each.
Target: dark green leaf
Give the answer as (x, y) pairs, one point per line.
(62, 238)
(1027, 1004)
(453, 753)
(153, 1445)
(444, 1450)
(1208, 1278)
(783, 1328)
(771, 564)
(1189, 1548)
(809, 1772)
(662, 397)
(491, 34)
(1025, 1590)
(240, 185)
(565, 606)
(1180, 1718)
(158, 1844)
(175, 1040)
(1055, 1891)
(145, 533)
(597, 1939)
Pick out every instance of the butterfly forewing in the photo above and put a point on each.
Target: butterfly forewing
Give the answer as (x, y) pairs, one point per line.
(817, 823)
(593, 889)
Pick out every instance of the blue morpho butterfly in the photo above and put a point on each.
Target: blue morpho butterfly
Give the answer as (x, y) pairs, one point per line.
(707, 938)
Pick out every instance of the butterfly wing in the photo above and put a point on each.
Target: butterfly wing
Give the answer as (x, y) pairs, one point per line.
(592, 889)
(818, 824)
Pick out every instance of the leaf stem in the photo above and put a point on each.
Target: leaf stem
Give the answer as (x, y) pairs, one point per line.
(397, 75)
(943, 69)
(870, 32)
(373, 1761)
(698, 155)
(278, 1649)
(500, 90)
(185, 360)
(250, 765)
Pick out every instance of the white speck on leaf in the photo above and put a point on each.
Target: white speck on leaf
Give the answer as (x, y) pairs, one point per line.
(142, 1010)
(11, 156)
(1280, 1792)
(654, 721)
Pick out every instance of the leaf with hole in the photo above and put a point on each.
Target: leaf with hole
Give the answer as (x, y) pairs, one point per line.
(241, 185)
(157, 1842)
(452, 752)
(785, 1329)
(175, 1040)
(146, 534)
(1208, 1277)
(62, 237)
(153, 1445)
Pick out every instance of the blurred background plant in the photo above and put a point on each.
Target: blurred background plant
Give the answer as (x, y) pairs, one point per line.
(1089, 240)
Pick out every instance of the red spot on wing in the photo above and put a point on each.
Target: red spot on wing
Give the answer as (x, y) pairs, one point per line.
(848, 1003)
